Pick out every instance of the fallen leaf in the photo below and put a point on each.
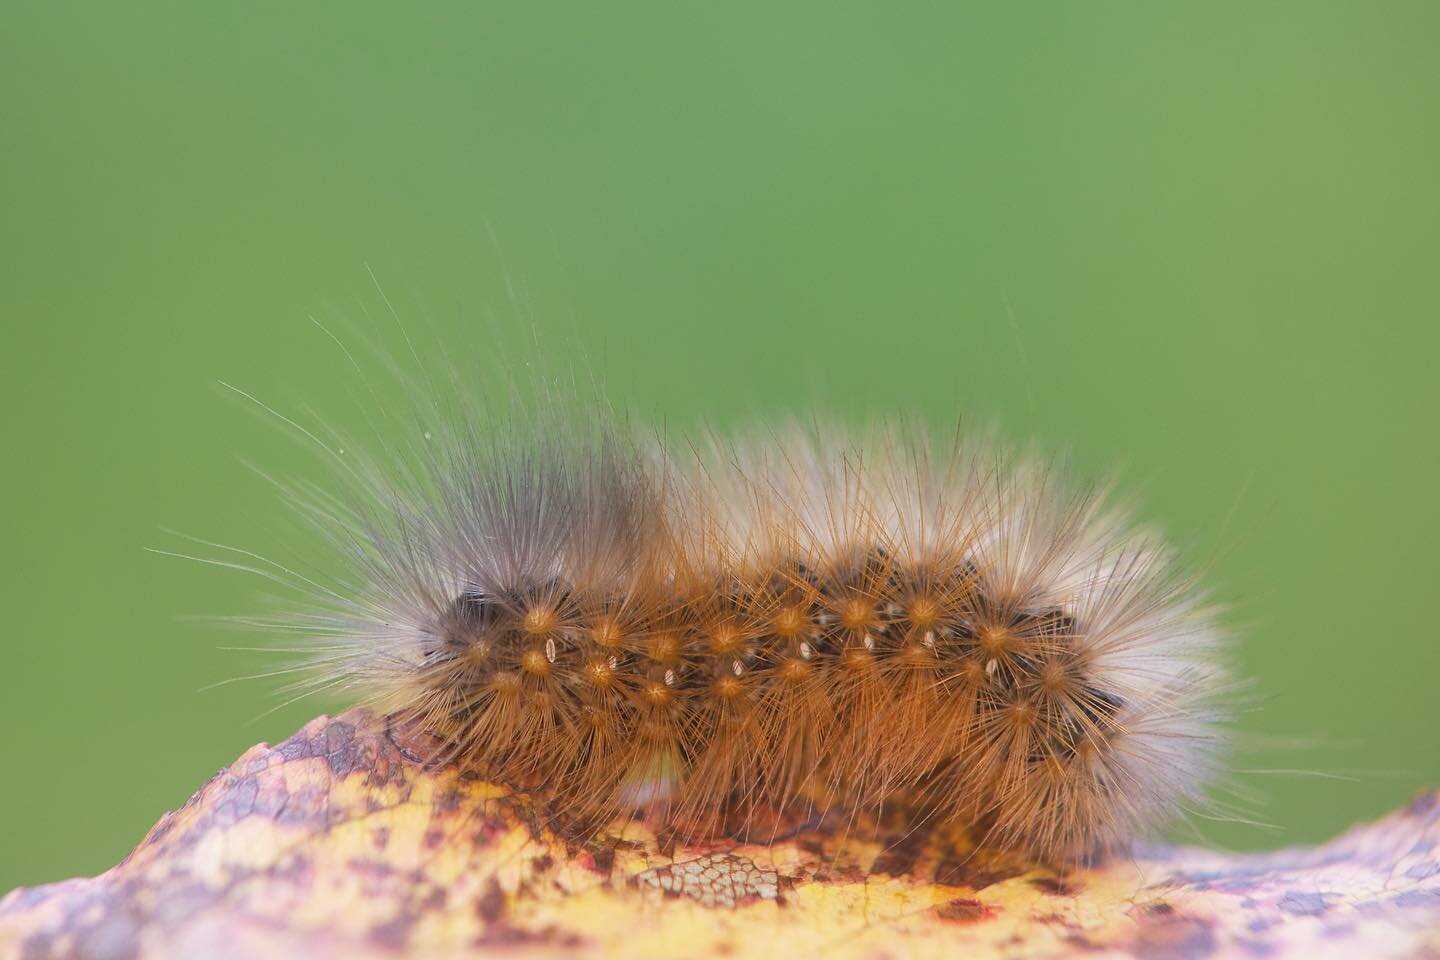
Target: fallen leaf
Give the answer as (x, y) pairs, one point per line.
(340, 843)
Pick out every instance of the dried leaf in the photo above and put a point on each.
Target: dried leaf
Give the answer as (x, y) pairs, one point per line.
(338, 843)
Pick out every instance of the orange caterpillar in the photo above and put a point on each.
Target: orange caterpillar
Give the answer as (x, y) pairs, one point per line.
(799, 621)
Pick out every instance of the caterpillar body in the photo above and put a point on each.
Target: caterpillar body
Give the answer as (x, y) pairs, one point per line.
(791, 622)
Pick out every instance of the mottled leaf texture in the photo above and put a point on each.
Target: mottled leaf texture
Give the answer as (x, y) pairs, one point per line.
(341, 842)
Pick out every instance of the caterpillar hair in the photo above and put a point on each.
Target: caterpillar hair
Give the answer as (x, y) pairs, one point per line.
(797, 621)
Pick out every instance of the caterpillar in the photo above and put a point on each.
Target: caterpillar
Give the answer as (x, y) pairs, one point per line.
(794, 621)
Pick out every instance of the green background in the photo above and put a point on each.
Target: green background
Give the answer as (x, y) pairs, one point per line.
(1193, 242)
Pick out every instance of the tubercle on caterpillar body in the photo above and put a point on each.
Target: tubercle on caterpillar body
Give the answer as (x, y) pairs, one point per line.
(799, 621)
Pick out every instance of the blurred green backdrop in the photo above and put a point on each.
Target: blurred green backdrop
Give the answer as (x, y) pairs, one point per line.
(1197, 242)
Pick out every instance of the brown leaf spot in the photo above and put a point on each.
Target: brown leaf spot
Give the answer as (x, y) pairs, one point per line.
(1056, 886)
(963, 910)
(491, 906)
(967, 871)
(603, 856)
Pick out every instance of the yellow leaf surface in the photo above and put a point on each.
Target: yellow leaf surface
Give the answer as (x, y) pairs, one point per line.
(339, 843)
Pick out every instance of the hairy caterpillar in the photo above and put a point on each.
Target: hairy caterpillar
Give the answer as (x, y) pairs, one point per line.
(795, 621)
